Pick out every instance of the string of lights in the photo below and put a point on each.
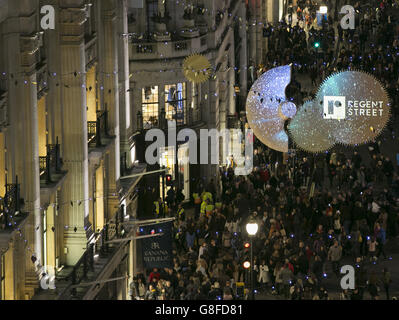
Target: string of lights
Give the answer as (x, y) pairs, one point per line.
(13, 224)
(53, 74)
(4, 76)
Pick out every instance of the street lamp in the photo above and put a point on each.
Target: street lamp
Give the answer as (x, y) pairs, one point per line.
(252, 229)
(323, 9)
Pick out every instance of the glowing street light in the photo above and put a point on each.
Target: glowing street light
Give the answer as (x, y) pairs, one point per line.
(252, 228)
(323, 9)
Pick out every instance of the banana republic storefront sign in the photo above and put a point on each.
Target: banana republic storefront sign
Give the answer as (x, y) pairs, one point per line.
(157, 251)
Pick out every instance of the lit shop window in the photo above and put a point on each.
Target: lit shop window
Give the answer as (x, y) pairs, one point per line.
(150, 106)
(175, 102)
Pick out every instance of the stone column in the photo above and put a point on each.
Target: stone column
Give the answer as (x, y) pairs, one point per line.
(20, 255)
(212, 123)
(232, 80)
(75, 192)
(132, 258)
(264, 20)
(135, 104)
(92, 195)
(54, 106)
(259, 34)
(273, 8)
(125, 120)
(252, 33)
(108, 64)
(162, 103)
(213, 97)
(52, 38)
(222, 96)
(22, 157)
(10, 278)
(188, 113)
(51, 235)
(121, 285)
(243, 55)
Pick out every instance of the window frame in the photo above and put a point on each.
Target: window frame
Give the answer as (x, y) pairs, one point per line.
(173, 112)
(153, 103)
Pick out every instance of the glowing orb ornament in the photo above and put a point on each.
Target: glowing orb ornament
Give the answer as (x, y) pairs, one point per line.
(286, 110)
(309, 131)
(355, 107)
(197, 68)
(267, 108)
(350, 108)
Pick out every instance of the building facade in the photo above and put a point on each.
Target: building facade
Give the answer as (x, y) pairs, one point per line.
(76, 100)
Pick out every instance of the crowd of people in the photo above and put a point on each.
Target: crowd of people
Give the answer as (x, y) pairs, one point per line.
(314, 212)
(302, 238)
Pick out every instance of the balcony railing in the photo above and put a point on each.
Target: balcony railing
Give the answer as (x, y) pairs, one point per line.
(179, 46)
(167, 49)
(144, 48)
(96, 130)
(10, 205)
(84, 268)
(51, 163)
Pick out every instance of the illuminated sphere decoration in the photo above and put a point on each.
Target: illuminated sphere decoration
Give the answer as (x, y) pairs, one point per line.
(308, 129)
(350, 108)
(366, 111)
(267, 108)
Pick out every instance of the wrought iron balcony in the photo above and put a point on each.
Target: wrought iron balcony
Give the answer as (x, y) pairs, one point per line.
(51, 163)
(89, 268)
(10, 206)
(178, 47)
(97, 130)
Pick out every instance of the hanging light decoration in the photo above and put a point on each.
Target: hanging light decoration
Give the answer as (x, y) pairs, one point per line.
(197, 68)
